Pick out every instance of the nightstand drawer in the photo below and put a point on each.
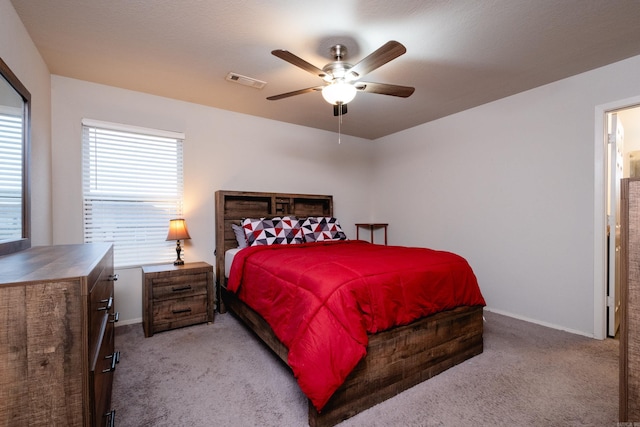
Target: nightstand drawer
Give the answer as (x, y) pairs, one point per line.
(175, 313)
(182, 286)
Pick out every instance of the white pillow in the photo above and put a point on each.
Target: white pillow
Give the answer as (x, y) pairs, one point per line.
(240, 237)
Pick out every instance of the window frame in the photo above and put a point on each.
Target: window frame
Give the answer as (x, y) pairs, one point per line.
(120, 209)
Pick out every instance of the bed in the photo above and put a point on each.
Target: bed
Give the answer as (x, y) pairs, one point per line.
(396, 359)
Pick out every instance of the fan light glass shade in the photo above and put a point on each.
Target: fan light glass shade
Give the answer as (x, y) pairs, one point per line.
(178, 230)
(339, 93)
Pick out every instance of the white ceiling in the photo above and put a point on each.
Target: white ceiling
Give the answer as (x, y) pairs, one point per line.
(460, 53)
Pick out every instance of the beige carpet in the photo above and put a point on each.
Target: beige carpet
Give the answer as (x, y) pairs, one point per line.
(220, 375)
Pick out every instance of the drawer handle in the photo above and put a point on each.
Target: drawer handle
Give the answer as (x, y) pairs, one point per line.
(115, 359)
(111, 418)
(186, 310)
(182, 289)
(113, 277)
(108, 306)
(116, 317)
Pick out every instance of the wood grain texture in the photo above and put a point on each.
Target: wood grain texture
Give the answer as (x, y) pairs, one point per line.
(54, 341)
(13, 355)
(630, 297)
(46, 335)
(403, 357)
(37, 387)
(176, 295)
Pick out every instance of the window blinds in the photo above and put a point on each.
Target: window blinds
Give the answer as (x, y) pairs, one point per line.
(11, 177)
(132, 186)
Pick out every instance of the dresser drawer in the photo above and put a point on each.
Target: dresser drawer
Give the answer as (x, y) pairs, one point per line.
(100, 302)
(179, 286)
(102, 370)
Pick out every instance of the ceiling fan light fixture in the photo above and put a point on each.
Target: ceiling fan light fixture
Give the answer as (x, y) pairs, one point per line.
(339, 92)
(341, 80)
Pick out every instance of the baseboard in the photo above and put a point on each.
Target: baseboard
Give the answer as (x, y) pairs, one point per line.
(538, 322)
(128, 322)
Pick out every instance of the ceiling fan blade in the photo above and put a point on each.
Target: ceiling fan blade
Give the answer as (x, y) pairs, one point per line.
(295, 92)
(390, 50)
(385, 89)
(298, 62)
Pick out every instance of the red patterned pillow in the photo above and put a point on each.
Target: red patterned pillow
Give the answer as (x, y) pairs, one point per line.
(318, 229)
(274, 231)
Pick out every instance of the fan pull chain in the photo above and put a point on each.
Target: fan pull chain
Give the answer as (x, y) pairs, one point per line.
(339, 124)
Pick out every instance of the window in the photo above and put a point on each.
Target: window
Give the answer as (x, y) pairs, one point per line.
(11, 177)
(132, 186)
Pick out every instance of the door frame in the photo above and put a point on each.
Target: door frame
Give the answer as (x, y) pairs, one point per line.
(599, 216)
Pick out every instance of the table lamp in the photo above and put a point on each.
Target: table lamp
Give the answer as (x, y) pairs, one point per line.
(178, 231)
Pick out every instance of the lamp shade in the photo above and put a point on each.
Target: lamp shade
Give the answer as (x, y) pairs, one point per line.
(178, 230)
(339, 92)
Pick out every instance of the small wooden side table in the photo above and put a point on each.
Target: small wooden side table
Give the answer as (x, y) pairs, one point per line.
(372, 226)
(174, 296)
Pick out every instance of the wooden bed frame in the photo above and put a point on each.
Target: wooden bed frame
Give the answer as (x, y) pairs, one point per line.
(396, 360)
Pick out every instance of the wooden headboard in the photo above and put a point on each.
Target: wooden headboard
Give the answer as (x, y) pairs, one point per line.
(233, 206)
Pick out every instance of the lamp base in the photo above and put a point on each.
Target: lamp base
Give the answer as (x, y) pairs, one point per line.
(178, 261)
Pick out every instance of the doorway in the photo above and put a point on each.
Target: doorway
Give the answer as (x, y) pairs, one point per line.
(620, 159)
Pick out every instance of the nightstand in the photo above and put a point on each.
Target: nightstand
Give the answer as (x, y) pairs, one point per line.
(174, 296)
(372, 226)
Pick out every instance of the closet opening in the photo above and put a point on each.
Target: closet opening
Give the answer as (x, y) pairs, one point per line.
(621, 156)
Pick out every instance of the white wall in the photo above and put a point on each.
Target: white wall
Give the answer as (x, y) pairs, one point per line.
(222, 151)
(510, 186)
(20, 54)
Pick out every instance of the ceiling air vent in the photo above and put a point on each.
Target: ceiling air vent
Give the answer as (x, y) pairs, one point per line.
(244, 80)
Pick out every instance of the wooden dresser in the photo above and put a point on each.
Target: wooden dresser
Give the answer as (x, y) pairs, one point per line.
(174, 296)
(630, 298)
(57, 354)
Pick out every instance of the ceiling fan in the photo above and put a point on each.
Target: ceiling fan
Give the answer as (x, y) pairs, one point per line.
(342, 80)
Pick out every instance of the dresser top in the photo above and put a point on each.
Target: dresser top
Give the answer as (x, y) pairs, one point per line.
(45, 263)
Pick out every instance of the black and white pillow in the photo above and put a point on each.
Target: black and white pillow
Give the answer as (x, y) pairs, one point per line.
(318, 229)
(273, 231)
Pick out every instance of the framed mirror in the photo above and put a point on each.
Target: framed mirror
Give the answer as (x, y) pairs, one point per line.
(15, 115)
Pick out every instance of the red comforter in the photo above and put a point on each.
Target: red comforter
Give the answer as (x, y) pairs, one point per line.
(321, 299)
